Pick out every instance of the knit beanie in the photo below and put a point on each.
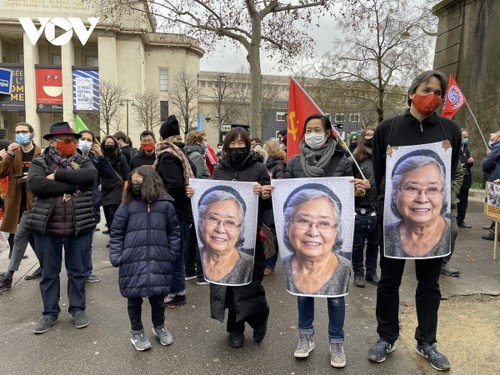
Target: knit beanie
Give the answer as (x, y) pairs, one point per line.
(170, 127)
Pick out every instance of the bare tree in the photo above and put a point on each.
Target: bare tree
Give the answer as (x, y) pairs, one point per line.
(225, 101)
(277, 27)
(147, 107)
(184, 97)
(110, 95)
(384, 48)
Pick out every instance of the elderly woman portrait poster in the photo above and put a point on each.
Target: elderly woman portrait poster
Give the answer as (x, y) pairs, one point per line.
(225, 216)
(417, 202)
(315, 240)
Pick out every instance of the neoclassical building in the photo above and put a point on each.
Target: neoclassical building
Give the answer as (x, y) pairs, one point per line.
(58, 75)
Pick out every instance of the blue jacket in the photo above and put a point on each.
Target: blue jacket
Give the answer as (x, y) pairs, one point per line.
(145, 241)
(491, 163)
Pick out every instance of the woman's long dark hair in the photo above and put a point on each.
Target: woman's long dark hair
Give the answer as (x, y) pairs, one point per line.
(233, 135)
(152, 186)
(116, 155)
(361, 153)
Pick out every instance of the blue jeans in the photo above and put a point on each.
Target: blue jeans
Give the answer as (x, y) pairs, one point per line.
(358, 246)
(88, 256)
(49, 249)
(336, 317)
(178, 285)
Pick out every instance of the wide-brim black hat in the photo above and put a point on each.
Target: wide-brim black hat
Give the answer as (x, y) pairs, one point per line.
(61, 128)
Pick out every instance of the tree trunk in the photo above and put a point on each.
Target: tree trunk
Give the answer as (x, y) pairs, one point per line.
(253, 58)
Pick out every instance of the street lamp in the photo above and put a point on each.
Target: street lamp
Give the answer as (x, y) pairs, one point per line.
(126, 103)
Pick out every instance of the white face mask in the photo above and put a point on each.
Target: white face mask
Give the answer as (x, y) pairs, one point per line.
(84, 146)
(315, 140)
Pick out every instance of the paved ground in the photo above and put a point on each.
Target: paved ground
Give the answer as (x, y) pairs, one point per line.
(468, 328)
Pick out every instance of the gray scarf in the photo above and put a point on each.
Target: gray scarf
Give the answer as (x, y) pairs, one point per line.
(311, 166)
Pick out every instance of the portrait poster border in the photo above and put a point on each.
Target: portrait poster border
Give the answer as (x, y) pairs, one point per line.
(441, 152)
(251, 200)
(343, 188)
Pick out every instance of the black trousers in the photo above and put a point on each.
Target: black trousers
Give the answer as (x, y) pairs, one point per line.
(134, 306)
(427, 298)
(109, 213)
(255, 321)
(463, 196)
(192, 259)
(454, 235)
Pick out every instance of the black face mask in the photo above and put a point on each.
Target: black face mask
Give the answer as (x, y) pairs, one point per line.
(368, 143)
(109, 148)
(136, 190)
(238, 153)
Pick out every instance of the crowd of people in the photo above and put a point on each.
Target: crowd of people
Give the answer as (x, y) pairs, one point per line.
(54, 199)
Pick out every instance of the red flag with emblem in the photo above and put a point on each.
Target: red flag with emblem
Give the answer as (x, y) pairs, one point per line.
(300, 107)
(454, 99)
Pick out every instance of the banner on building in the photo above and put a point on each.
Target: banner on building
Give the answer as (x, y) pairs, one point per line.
(15, 100)
(85, 90)
(49, 89)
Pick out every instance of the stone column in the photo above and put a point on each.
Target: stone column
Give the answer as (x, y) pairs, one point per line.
(67, 62)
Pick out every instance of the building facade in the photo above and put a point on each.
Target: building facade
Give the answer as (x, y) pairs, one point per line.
(58, 76)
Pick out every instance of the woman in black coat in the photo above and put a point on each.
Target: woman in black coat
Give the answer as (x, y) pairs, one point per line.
(244, 303)
(112, 188)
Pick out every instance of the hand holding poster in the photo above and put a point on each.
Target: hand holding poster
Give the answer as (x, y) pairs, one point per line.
(225, 216)
(416, 206)
(315, 226)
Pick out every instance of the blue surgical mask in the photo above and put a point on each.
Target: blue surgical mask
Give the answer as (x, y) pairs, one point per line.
(23, 139)
(465, 141)
(84, 146)
(490, 143)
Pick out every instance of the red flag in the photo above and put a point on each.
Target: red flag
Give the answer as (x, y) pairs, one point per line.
(454, 99)
(300, 107)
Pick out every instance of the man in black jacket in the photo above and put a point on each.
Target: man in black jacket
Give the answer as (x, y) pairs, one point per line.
(419, 125)
(146, 154)
(62, 216)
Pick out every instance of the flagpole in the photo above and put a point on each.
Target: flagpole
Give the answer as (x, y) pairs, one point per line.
(475, 121)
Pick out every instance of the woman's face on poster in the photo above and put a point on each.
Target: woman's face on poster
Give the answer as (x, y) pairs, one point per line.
(221, 226)
(312, 229)
(419, 196)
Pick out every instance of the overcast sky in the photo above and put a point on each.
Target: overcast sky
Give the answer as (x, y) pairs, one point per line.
(231, 59)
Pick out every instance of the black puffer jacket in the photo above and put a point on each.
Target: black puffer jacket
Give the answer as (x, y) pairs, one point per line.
(50, 215)
(250, 299)
(144, 244)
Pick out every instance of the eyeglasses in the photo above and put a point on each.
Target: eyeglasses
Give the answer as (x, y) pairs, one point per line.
(22, 132)
(432, 192)
(65, 141)
(213, 222)
(321, 225)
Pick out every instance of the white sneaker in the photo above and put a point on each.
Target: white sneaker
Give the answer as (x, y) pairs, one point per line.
(305, 346)
(337, 357)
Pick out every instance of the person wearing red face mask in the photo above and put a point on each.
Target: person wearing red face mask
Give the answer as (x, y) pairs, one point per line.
(62, 216)
(146, 154)
(419, 125)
